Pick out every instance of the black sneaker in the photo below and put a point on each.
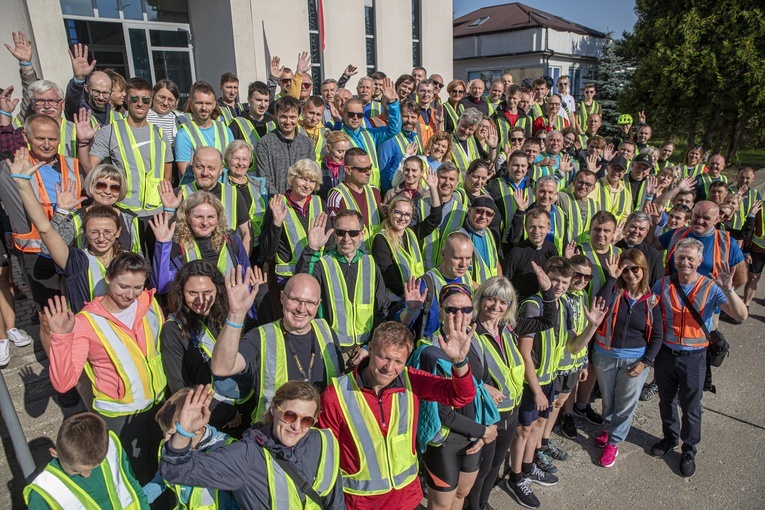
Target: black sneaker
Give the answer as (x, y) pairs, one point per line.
(687, 464)
(663, 447)
(589, 415)
(542, 478)
(648, 392)
(568, 426)
(522, 493)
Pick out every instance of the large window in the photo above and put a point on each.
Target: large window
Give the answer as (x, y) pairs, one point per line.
(316, 39)
(174, 11)
(369, 27)
(416, 34)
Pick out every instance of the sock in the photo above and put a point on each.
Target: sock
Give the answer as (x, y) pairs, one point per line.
(515, 477)
(580, 407)
(545, 442)
(526, 467)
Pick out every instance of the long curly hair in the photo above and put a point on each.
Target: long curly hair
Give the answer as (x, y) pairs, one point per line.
(183, 234)
(185, 316)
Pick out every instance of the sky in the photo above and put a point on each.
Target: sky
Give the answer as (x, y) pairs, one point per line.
(602, 15)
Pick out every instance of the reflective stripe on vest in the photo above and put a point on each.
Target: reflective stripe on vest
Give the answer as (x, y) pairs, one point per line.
(257, 207)
(61, 493)
(547, 342)
(352, 320)
(226, 258)
(481, 269)
(509, 205)
(70, 171)
(96, 274)
(506, 368)
(693, 171)
(461, 158)
(250, 134)
(228, 197)
(273, 361)
(296, 234)
(744, 208)
(453, 215)
(407, 260)
(197, 139)
(373, 211)
(504, 126)
(598, 272)
(577, 229)
(141, 176)
(285, 495)
(705, 181)
(680, 328)
(67, 145)
(385, 462)
(453, 114)
(142, 376)
(620, 205)
(721, 249)
(371, 149)
(577, 300)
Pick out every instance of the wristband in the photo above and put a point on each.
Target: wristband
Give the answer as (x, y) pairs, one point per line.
(25, 64)
(77, 80)
(461, 363)
(234, 324)
(728, 291)
(179, 430)
(3, 112)
(411, 312)
(168, 209)
(648, 198)
(22, 176)
(65, 212)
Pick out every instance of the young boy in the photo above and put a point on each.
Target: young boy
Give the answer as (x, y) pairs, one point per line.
(89, 470)
(541, 354)
(205, 439)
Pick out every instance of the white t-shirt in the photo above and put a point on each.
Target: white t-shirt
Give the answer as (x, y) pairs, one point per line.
(127, 316)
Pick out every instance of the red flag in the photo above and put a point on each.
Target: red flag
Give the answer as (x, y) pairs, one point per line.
(321, 24)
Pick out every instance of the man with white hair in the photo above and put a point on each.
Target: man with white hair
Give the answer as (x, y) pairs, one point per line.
(474, 97)
(464, 145)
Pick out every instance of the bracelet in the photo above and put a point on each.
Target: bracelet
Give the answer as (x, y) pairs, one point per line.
(461, 363)
(168, 209)
(179, 430)
(3, 112)
(25, 64)
(65, 212)
(234, 324)
(410, 312)
(728, 291)
(77, 80)
(22, 176)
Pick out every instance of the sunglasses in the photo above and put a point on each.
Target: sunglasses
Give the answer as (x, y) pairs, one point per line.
(286, 81)
(454, 309)
(517, 139)
(484, 212)
(458, 91)
(355, 115)
(307, 85)
(438, 84)
(101, 186)
(633, 269)
(290, 417)
(363, 170)
(143, 99)
(582, 276)
(353, 233)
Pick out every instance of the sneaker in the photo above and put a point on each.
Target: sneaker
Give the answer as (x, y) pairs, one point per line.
(568, 426)
(663, 447)
(544, 462)
(589, 415)
(609, 456)
(18, 337)
(5, 353)
(602, 440)
(542, 478)
(687, 464)
(521, 492)
(648, 392)
(554, 451)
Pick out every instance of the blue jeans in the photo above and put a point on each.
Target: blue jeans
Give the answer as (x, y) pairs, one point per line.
(620, 393)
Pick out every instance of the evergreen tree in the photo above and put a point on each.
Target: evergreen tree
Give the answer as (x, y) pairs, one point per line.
(612, 78)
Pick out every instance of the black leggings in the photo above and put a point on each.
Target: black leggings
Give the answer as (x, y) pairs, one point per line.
(443, 464)
(492, 457)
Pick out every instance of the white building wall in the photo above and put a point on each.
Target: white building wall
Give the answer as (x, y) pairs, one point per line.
(394, 37)
(436, 33)
(345, 38)
(574, 44)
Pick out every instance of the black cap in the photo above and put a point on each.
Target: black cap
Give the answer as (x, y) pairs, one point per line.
(548, 80)
(618, 161)
(644, 159)
(484, 201)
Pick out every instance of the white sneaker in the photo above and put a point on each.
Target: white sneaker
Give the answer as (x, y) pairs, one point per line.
(5, 353)
(19, 338)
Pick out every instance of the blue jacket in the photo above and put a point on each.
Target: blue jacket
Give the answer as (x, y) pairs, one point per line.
(390, 156)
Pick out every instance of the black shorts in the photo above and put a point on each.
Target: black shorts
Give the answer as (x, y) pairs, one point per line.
(527, 409)
(566, 383)
(443, 464)
(44, 282)
(758, 263)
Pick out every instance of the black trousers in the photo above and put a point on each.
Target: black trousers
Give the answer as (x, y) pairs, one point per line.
(680, 380)
(492, 457)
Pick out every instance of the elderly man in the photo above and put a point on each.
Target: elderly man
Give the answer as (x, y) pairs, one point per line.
(553, 119)
(364, 90)
(635, 230)
(464, 146)
(681, 363)
(373, 413)
(496, 91)
(299, 347)
(704, 181)
(98, 89)
(553, 161)
(474, 97)
(328, 89)
(353, 296)
(545, 196)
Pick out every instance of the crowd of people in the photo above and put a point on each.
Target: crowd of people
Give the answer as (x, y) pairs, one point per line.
(338, 300)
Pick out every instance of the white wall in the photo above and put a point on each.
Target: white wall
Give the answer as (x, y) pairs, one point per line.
(394, 37)
(575, 44)
(437, 51)
(211, 32)
(344, 37)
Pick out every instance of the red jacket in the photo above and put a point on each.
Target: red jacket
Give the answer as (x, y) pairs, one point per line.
(456, 392)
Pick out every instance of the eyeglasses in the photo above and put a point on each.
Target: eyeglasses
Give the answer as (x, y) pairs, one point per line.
(458, 92)
(355, 115)
(95, 234)
(101, 186)
(454, 309)
(633, 269)
(143, 99)
(402, 215)
(362, 169)
(290, 417)
(438, 84)
(353, 233)
(47, 102)
(100, 93)
(585, 184)
(307, 85)
(308, 303)
(517, 139)
(484, 212)
(582, 276)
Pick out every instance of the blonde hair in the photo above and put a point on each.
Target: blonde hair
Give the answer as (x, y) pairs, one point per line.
(105, 171)
(439, 137)
(183, 234)
(307, 169)
(170, 412)
(387, 225)
(498, 287)
(336, 137)
(235, 146)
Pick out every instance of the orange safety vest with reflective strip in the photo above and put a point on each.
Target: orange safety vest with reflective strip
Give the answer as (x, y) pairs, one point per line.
(680, 328)
(721, 248)
(605, 332)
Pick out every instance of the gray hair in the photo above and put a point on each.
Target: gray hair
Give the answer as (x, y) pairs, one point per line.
(43, 86)
(235, 146)
(638, 216)
(651, 151)
(689, 242)
(555, 132)
(470, 117)
(547, 179)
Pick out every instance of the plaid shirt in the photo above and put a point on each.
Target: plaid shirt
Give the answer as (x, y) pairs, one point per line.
(11, 139)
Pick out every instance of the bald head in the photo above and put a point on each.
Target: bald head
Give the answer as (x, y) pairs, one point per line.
(99, 90)
(307, 285)
(704, 217)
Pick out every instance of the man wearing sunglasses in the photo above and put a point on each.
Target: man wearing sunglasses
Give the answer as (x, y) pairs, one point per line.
(486, 261)
(353, 296)
(98, 89)
(507, 115)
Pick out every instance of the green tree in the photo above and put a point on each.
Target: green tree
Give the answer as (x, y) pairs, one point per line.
(700, 70)
(612, 80)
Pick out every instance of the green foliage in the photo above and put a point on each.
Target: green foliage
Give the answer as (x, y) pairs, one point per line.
(612, 80)
(700, 70)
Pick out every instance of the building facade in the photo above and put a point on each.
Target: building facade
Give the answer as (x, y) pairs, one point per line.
(527, 43)
(188, 40)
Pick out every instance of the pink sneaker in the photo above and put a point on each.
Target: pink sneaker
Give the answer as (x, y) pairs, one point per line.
(602, 440)
(609, 456)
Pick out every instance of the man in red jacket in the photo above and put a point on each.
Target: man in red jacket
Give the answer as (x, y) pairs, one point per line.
(373, 413)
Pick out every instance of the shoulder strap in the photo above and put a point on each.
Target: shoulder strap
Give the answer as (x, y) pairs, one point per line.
(694, 313)
(301, 484)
